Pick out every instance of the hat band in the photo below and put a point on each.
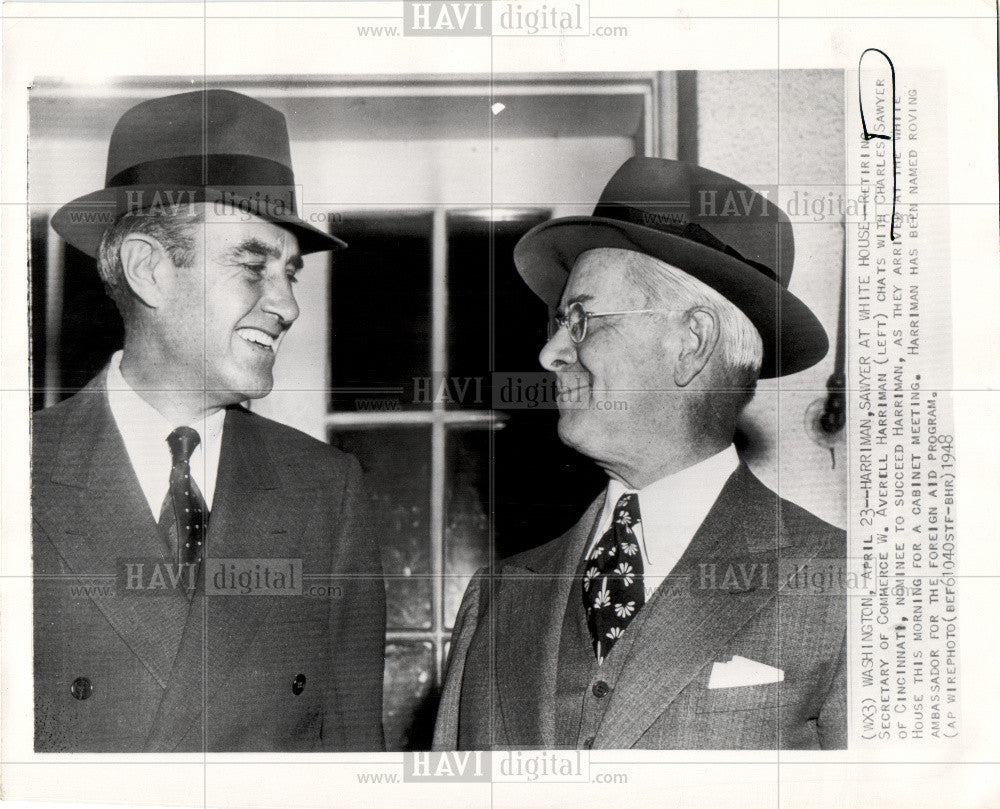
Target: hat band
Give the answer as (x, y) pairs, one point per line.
(690, 231)
(225, 170)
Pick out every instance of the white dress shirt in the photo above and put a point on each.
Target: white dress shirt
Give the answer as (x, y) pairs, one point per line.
(144, 431)
(670, 511)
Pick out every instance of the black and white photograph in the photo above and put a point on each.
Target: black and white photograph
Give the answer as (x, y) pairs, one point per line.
(665, 303)
(497, 417)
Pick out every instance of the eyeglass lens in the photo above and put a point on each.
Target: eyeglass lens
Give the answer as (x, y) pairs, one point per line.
(575, 321)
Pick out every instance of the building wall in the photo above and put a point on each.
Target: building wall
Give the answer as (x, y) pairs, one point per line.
(765, 128)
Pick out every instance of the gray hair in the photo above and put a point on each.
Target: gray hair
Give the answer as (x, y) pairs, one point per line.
(740, 347)
(173, 229)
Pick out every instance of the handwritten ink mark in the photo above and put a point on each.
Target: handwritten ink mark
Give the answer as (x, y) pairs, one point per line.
(872, 135)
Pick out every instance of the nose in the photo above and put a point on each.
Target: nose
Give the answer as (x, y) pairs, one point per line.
(558, 352)
(279, 300)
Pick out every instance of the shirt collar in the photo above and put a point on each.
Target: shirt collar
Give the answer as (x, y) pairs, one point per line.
(673, 507)
(715, 468)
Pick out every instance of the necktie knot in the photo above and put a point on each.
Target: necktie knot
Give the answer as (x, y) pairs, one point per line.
(627, 509)
(182, 443)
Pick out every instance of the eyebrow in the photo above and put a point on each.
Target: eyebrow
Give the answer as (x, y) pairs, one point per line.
(259, 247)
(578, 299)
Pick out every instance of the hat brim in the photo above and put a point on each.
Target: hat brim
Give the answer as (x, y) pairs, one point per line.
(83, 221)
(793, 337)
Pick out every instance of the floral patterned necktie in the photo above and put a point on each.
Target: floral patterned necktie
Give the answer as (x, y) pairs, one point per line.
(612, 582)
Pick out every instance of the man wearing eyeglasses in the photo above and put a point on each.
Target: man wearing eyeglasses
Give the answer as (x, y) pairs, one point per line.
(671, 615)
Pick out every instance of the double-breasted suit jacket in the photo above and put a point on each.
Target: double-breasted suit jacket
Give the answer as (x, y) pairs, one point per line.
(121, 669)
(761, 580)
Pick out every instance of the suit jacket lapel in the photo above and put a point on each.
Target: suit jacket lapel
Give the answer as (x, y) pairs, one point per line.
(250, 519)
(704, 602)
(102, 519)
(532, 603)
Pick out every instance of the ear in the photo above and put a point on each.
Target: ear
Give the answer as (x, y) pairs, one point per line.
(144, 262)
(699, 337)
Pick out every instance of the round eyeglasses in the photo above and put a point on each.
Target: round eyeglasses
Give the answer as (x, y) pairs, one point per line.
(576, 317)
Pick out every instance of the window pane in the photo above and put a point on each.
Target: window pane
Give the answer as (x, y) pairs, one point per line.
(380, 315)
(519, 316)
(541, 486)
(397, 465)
(467, 527)
(408, 712)
(91, 328)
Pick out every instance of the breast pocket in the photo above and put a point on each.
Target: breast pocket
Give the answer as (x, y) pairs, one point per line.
(745, 698)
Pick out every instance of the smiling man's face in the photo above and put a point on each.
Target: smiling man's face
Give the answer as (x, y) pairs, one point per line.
(223, 321)
(620, 392)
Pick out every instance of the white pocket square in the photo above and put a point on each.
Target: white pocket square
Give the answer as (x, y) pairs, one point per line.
(743, 671)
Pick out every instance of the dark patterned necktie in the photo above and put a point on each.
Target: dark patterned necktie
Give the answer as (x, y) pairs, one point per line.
(184, 515)
(612, 581)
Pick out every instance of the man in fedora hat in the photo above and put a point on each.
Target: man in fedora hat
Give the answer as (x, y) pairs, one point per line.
(199, 519)
(668, 616)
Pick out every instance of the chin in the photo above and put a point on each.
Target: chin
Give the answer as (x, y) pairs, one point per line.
(571, 432)
(581, 431)
(259, 391)
(247, 388)
(255, 394)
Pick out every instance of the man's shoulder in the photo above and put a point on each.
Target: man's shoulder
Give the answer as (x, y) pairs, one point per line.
(797, 521)
(80, 401)
(81, 411)
(799, 526)
(49, 420)
(297, 448)
(539, 557)
(748, 505)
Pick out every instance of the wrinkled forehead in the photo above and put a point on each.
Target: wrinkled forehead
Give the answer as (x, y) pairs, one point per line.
(605, 277)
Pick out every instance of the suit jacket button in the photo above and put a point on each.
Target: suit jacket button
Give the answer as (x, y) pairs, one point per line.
(601, 689)
(81, 688)
(298, 684)
(589, 743)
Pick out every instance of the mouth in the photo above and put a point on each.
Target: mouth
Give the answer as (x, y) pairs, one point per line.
(260, 339)
(571, 394)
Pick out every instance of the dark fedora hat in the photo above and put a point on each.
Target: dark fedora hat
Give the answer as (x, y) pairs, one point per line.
(204, 146)
(717, 230)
